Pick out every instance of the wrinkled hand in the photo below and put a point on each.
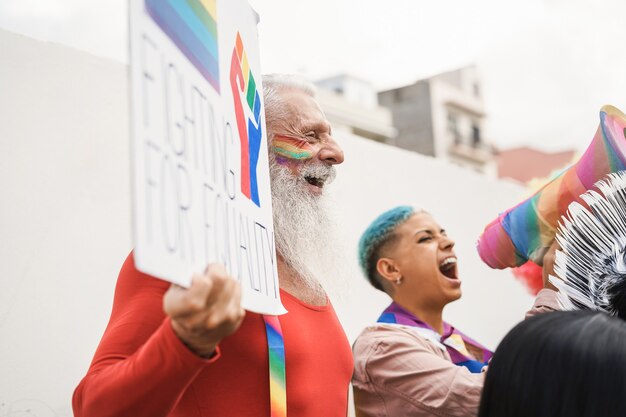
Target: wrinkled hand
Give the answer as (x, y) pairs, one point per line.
(206, 312)
(548, 265)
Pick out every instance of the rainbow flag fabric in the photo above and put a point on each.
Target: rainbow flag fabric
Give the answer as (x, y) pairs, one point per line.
(527, 230)
(192, 26)
(454, 341)
(276, 351)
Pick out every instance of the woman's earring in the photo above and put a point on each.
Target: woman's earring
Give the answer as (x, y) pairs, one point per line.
(399, 281)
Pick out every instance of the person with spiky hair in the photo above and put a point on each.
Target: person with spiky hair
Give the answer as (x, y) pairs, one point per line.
(572, 363)
(590, 267)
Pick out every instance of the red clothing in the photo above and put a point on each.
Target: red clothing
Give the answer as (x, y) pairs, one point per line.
(141, 368)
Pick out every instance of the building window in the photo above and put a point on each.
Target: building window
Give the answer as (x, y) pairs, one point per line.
(475, 136)
(476, 90)
(453, 128)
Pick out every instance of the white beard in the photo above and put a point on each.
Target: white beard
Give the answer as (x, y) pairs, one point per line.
(304, 229)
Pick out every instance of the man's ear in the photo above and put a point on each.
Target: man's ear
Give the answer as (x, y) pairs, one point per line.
(388, 269)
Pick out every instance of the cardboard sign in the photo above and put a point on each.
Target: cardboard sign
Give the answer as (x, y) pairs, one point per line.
(201, 190)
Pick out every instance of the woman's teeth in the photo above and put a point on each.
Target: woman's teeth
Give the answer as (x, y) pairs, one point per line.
(447, 262)
(448, 267)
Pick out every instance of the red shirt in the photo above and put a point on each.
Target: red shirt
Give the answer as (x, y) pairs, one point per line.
(141, 368)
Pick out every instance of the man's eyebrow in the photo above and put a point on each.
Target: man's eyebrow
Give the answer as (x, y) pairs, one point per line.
(316, 126)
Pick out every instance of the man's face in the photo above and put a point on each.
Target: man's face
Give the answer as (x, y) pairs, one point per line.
(302, 141)
(302, 155)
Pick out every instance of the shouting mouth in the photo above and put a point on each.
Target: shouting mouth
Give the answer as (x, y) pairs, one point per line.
(315, 181)
(448, 267)
(317, 177)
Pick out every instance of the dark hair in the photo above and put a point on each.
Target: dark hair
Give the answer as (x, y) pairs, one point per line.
(560, 364)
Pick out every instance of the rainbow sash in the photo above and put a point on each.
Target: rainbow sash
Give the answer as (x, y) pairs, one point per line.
(452, 340)
(276, 352)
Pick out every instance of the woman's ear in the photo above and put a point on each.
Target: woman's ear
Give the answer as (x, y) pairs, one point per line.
(388, 269)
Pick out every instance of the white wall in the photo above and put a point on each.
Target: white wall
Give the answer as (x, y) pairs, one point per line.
(65, 221)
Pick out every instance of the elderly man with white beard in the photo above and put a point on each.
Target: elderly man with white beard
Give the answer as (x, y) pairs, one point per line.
(174, 351)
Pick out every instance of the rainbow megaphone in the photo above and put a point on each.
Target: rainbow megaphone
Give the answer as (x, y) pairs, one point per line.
(527, 230)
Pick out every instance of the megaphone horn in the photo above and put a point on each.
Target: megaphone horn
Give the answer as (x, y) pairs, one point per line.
(527, 230)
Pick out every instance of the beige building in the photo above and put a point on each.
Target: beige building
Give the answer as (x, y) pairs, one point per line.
(351, 105)
(443, 116)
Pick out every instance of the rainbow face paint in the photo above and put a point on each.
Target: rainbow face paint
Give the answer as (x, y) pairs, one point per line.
(292, 147)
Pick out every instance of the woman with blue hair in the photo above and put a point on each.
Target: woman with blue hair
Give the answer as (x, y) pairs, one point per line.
(411, 362)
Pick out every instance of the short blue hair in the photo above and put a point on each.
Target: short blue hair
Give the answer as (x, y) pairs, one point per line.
(376, 235)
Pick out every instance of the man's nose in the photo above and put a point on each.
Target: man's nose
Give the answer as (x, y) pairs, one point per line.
(331, 153)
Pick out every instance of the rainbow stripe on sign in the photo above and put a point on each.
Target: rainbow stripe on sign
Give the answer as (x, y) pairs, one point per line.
(276, 351)
(192, 26)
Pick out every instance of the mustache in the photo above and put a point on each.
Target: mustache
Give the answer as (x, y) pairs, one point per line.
(322, 172)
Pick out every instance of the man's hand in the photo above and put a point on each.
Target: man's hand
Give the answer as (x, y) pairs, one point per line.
(548, 265)
(207, 311)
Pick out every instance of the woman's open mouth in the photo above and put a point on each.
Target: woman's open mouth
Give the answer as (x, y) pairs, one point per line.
(448, 268)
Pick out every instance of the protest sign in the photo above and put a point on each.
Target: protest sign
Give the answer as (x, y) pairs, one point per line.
(201, 189)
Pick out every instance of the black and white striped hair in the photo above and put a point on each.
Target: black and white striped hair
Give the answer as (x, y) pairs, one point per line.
(590, 268)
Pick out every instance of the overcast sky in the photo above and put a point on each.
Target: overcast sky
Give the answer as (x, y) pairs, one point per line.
(547, 65)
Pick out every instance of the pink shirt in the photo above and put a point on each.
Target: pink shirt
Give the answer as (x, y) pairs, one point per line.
(397, 371)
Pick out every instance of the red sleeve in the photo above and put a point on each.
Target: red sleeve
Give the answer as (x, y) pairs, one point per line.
(141, 368)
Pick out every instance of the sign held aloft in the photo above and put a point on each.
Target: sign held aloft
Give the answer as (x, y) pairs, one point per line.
(201, 189)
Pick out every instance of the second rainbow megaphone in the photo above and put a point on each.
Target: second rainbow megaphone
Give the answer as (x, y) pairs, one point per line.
(526, 231)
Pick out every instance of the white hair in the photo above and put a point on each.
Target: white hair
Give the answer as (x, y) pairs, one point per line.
(304, 228)
(272, 85)
(275, 82)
